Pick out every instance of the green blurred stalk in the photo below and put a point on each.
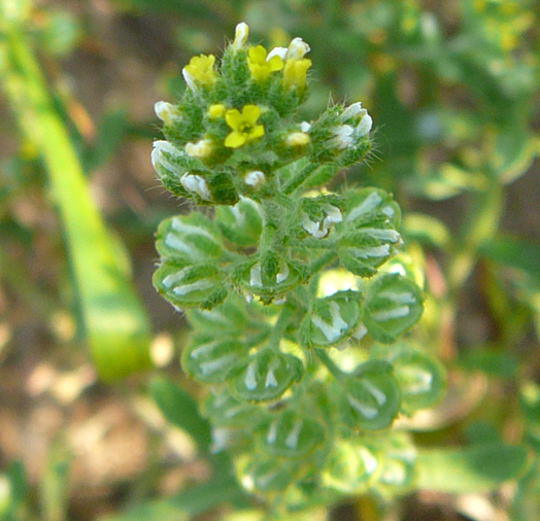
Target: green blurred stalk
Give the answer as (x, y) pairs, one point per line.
(115, 322)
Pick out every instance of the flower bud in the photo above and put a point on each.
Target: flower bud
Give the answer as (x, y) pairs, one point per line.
(297, 49)
(166, 112)
(364, 126)
(277, 51)
(241, 35)
(196, 184)
(255, 178)
(353, 112)
(343, 137)
(201, 149)
(321, 228)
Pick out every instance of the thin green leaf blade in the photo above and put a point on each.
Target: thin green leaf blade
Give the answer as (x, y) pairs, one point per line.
(474, 469)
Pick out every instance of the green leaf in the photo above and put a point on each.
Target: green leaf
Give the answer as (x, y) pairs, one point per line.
(180, 409)
(426, 229)
(490, 361)
(13, 491)
(516, 253)
(474, 469)
(183, 506)
(111, 131)
(115, 322)
(54, 493)
(393, 305)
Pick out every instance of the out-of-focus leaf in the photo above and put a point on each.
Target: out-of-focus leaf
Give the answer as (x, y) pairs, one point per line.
(111, 131)
(517, 253)
(13, 491)
(55, 487)
(526, 504)
(183, 506)
(115, 322)
(59, 32)
(181, 410)
(474, 469)
(490, 361)
(426, 230)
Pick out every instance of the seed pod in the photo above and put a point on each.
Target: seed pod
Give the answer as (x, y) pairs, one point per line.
(368, 233)
(290, 434)
(331, 320)
(230, 317)
(227, 411)
(397, 457)
(420, 376)
(170, 164)
(212, 359)
(189, 239)
(242, 223)
(265, 375)
(393, 304)
(270, 277)
(200, 285)
(349, 467)
(371, 398)
(264, 473)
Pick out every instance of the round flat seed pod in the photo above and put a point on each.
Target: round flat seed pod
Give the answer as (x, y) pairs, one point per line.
(265, 375)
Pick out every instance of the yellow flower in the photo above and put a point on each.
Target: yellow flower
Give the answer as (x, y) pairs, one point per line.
(295, 72)
(216, 111)
(244, 126)
(259, 66)
(200, 71)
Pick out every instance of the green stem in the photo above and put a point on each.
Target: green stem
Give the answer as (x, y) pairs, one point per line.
(321, 262)
(280, 326)
(299, 178)
(323, 356)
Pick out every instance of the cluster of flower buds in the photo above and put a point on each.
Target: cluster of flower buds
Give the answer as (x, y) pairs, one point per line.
(232, 130)
(253, 280)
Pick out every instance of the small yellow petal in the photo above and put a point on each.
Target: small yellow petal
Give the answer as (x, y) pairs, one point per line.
(234, 118)
(235, 140)
(275, 63)
(257, 131)
(251, 113)
(216, 111)
(257, 54)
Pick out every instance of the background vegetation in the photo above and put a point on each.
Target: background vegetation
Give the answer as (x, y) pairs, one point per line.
(453, 91)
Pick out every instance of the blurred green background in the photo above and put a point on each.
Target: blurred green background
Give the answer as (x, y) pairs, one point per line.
(453, 88)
